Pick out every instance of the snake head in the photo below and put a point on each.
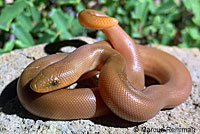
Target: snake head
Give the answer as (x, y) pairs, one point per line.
(96, 20)
(49, 80)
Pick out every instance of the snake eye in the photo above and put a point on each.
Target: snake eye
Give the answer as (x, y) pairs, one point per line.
(54, 83)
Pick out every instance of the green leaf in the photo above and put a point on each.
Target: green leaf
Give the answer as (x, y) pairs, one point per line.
(103, 1)
(25, 21)
(166, 7)
(186, 39)
(10, 12)
(151, 40)
(61, 22)
(40, 2)
(136, 35)
(141, 11)
(134, 16)
(167, 29)
(196, 44)
(39, 27)
(8, 46)
(1, 51)
(66, 34)
(150, 29)
(193, 32)
(126, 20)
(112, 7)
(121, 11)
(1, 4)
(172, 16)
(22, 35)
(45, 22)
(20, 44)
(35, 14)
(80, 7)
(68, 2)
(76, 29)
(46, 38)
(196, 11)
(157, 20)
(194, 6)
(187, 4)
(153, 7)
(165, 39)
(129, 5)
(134, 28)
(183, 45)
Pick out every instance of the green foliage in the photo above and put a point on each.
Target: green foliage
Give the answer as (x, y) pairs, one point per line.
(24, 23)
(10, 12)
(167, 22)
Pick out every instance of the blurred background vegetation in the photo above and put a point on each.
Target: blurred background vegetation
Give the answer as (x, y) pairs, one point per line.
(24, 23)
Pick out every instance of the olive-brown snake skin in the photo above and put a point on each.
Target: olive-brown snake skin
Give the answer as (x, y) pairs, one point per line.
(121, 82)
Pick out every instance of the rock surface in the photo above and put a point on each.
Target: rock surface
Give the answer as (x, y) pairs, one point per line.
(15, 119)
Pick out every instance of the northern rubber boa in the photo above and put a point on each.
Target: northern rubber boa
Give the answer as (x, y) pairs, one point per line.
(121, 82)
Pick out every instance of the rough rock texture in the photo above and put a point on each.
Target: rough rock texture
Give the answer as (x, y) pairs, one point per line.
(15, 119)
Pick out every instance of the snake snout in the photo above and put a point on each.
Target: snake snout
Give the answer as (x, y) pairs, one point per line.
(43, 83)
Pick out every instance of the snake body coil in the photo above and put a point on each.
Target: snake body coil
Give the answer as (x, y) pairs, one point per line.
(121, 83)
